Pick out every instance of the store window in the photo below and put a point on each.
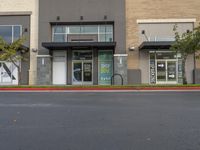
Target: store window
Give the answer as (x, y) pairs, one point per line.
(105, 65)
(10, 33)
(104, 33)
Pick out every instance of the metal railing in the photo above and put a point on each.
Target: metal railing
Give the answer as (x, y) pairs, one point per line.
(112, 78)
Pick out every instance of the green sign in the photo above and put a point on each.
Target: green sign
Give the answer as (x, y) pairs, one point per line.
(105, 67)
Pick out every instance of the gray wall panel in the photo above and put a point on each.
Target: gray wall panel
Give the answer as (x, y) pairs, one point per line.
(95, 67)
(69, 67)
(144, 67)
(162, 31)
(91, 10)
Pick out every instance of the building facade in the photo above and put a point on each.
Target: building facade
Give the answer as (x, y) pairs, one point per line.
(149, 37)
(91, 42)
(17, 18)
(81, 42)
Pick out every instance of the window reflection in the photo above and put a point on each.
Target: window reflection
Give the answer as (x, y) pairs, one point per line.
(103, 32)
(10, 33)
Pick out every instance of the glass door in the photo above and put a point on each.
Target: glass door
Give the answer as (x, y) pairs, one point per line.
(172, 71)
(82, 72)
(166, 71)
(77, 73)
(87, 72)
(161, 71)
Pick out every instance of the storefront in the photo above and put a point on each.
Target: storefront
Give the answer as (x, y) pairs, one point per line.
(76, 66)
(12, 27)
(165, 67)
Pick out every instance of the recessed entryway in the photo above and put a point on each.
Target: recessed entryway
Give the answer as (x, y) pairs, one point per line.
(82, 68)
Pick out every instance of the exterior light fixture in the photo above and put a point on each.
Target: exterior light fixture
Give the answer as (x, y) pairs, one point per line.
(58, 18)
(105, 17)
(34, 50)
(81, 17)
(131, 48)
(143, 32)
(25, 30)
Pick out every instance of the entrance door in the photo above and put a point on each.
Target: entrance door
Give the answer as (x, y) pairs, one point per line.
(172, 71)
(166, 71)
(82, 72)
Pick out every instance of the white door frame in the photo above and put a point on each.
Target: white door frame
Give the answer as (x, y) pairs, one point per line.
(55, 75)
(166, 71)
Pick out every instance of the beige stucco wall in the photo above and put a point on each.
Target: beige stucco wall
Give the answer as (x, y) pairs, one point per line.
(155, 9)
(19, 6)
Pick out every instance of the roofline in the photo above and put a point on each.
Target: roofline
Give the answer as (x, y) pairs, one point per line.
(16, 13)
(144, 21)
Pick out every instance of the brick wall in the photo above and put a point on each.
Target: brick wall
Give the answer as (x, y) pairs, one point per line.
(26, 6)
(155, 9)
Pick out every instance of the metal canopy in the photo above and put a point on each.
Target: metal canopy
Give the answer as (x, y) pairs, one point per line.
(155, 45)
(81, 45)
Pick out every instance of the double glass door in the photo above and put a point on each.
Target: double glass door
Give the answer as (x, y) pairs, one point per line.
(166, 71)
(82, 72)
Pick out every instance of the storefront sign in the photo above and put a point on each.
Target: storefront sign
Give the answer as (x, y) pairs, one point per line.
(105, 67)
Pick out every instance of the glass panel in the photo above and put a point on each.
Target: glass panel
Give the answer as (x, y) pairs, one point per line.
(106, 55)
(74, 29)
(6, 33)
(180, 72)
(78, 55)
(89, 29)
(152, 55)
(161, 71)
(59, 38)
(167, 55)
(59, 29)
(17, 32)
(77, 72)
(171, 71)
(152, 71)
(105, 65)
(105, 38)
(87, 72)
(106, 29)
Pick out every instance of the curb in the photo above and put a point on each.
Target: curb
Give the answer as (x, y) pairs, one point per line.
(106, 89)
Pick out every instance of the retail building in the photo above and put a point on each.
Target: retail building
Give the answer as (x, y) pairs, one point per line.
(81, 42)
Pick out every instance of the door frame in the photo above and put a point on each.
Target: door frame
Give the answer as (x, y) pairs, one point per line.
(82, 75)
(166, 71)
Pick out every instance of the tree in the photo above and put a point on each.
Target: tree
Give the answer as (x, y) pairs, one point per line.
(13, 52)
(186, 44)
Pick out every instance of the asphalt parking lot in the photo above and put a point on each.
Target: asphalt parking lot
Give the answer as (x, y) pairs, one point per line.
(100, 121)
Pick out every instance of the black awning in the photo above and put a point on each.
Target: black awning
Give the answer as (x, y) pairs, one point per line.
(157, 45)
(81, 45)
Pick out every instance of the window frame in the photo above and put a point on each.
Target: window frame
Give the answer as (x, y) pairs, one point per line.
(67, 31)
(16, 25)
